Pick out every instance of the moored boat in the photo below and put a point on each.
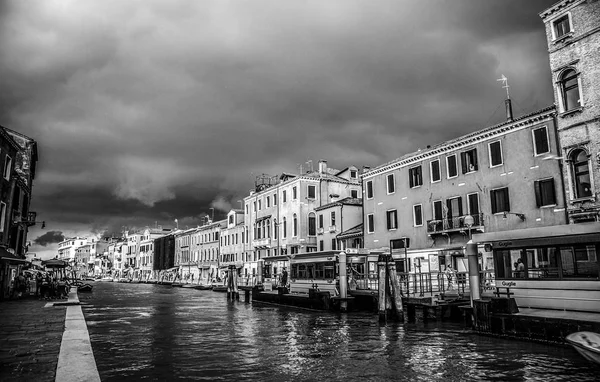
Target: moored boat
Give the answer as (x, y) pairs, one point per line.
(84, 288)
(587, 344)
(203, 287)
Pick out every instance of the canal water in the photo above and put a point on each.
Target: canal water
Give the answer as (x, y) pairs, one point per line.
(160, 333)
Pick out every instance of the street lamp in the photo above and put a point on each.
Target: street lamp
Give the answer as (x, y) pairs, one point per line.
(469, 221)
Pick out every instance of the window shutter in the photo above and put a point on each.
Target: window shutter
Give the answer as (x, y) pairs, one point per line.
(463, 162)
(449, 205)
(538, 193)
(475, 159)
(389, 216)
(460, 207)
(420, 176)
(494, 200)
(411, 176)
(507, 206)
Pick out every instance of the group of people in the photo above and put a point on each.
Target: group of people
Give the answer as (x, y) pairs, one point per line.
(47, 285)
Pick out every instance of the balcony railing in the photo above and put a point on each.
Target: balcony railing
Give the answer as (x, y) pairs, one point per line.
(265, 242)
(454, 224)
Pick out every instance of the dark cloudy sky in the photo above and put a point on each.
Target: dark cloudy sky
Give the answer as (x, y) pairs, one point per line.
(147, 111)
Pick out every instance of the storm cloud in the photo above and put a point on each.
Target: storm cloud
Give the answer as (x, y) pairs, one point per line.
(50, 237)
(150, 111)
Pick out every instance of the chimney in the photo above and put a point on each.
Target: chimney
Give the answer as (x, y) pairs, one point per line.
(322, 167)
(509, 113)
(366, 169)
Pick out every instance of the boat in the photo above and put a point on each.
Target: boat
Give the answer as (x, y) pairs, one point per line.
(587, 344)
(84, 288)
(219, 288)
(187, 286)
(107, 279)
(203, 287)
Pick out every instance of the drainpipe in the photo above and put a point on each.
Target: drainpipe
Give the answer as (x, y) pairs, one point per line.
(560, 166)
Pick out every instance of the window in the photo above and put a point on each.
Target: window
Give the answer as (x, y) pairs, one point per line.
(246, 209)
(321, 221)
(312, 224)
(391, 186)
(230, 219)
(2, 216)
(294, 193)
(275, 199)
(451, 166)
(353, 174)
(254, 205)
(284, 196)
(312, 192)
(434, 169)
(540, 141)
(581, 174)
(370, 189)
(418, 215)
(284, 228)
(473, 205)
(370, 223)
(7, 167)
(268, 199)
(354, 193)
(499, 200)
(392, 219)
(333, 244)
(437, 210)
(562, 26)
(579, 261)
(544, 192)
(321, 245)
(260, 204)
(569, 90)
(415, 176)
(333, 218)
(295, 226)
(468, 161)
(495, 149)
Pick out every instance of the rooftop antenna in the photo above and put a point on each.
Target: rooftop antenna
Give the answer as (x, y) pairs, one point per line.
(507, 103)
(505, 85)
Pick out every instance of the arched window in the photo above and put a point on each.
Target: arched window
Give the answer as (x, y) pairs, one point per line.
(569, 87)
(581, 174)
(312, 224)
(295, 226)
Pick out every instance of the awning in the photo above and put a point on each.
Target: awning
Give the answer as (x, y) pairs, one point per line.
(540, 236)
(55, 263)
(9, 257)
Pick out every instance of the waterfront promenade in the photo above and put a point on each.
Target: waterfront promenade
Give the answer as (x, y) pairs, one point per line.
(30, 338)
(45, 341)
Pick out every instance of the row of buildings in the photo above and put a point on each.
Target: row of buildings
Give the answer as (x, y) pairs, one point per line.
(18, 161)
(527, 188)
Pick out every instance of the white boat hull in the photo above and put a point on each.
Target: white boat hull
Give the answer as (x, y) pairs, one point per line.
(587, 344)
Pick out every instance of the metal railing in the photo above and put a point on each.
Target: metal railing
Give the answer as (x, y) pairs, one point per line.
(453, 223)
(424, 284)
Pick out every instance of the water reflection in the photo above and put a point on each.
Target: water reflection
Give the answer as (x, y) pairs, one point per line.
(160, 333)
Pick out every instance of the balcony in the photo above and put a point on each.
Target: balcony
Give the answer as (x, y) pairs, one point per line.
(332, 228)
(261, 243)
(320, 231)
(454, 224)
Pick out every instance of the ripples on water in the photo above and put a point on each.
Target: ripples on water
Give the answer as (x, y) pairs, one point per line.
(156, 332)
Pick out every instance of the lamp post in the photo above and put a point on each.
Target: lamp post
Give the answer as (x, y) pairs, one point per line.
(471, 252)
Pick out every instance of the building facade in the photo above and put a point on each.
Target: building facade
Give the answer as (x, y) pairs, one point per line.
(496, 179)
(573, 36)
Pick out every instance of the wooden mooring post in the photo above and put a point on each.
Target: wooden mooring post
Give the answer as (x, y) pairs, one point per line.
(390, 295)
(396, 292)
